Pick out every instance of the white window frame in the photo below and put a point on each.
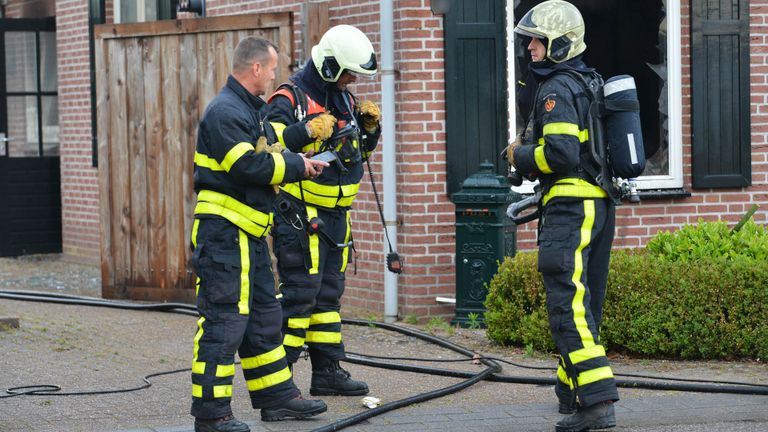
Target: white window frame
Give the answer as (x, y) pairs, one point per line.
(674, 97)
(141, 10)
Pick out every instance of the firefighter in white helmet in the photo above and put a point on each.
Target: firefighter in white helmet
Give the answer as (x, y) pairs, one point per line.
(577, 218)
(316, 113)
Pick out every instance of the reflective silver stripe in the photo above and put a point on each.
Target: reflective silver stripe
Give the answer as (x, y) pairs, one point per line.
(612, 87)
(631, 145)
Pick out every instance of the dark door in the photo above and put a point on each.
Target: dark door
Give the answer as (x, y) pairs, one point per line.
(30, 191)
(476, 83)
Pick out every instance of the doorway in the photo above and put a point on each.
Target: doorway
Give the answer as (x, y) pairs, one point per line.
(30, 190)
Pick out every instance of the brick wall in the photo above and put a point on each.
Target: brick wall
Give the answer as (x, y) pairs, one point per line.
(79, 179)
(426, 215)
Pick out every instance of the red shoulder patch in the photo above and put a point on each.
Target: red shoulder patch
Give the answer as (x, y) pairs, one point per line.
(549, 105)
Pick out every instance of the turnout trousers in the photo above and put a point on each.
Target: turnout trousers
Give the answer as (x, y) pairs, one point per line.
(575, 241)
(311, 269)
(238, 312)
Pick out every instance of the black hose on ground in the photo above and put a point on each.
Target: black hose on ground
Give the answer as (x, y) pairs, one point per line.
(490, 373)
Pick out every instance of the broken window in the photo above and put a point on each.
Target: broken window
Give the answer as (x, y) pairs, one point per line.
(622, 37)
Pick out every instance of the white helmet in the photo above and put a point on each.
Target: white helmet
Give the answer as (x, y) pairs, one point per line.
(559, 23)
(341, 48)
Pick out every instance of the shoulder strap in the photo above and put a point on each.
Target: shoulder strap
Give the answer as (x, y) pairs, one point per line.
(294, 94)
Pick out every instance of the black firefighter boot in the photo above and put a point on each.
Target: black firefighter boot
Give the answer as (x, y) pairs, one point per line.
(598, 416)
(224, 424)
(330, 379)
(296, 408)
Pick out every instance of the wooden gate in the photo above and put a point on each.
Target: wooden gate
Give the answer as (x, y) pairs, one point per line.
(153, 81)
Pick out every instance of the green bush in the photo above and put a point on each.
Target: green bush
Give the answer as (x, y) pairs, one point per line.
(694, 294)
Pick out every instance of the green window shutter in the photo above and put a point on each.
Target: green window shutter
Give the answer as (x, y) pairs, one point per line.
(721, 101)
(476, 87)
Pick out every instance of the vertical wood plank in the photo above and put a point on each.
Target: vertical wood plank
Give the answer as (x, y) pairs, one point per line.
(119, 166)
(206, 47)
(315, 22)
(138, 162)
(105, 173)
(172, 164)
(156, 154)
(190, 115)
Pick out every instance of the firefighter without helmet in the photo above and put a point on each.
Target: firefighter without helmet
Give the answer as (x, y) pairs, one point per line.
(341, 48)
(559, 25)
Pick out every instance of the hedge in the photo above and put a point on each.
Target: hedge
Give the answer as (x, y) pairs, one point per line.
(676, 299)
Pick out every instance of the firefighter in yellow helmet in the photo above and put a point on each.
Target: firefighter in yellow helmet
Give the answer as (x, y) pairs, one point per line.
(316, 113)
(577, 219)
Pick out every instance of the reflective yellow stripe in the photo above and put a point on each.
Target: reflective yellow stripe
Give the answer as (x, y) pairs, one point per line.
(348, 194)
(198, 367)
(279, 172)
(198, 336)
(328, 196)
(313, 146)
(207, 162)
(279, 129)
(323, 337)
(235, 153)
(593, 375)
(245, 280)
(248, 219)
(541, 160)
(241, 221)
(566, 129)
(269, 380)
(195, 225)
(585, 354)
(293, 341)
(225, 370)
(197, 391)
(563, 377)
(263, 359)
(325, 318)
(578, 299)
(222, 391)
(345, 252)
(298, 323)
(228, 202)
(314, 243)
(574, 187)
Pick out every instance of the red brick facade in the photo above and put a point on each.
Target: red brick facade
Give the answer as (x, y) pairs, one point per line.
(426, 215)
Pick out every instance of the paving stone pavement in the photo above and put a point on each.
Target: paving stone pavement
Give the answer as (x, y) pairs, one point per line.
(86, 348)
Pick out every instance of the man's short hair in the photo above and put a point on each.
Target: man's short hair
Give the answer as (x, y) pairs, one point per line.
(249, 51)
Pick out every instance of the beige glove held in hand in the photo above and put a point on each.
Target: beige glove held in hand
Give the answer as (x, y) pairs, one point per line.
(371, 115)
(321, 127)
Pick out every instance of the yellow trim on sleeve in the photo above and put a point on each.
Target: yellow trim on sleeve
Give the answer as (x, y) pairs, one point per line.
(279, 129)
(278, 174)
(541, 160)
(235, 153)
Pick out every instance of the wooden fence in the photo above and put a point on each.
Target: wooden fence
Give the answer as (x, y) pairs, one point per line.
(153, 82)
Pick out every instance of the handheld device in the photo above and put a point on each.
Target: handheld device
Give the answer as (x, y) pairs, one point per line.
(326, 156)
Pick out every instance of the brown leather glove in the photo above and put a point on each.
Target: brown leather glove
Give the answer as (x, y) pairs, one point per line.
(321, 127)
(371, 115)
(511, 152)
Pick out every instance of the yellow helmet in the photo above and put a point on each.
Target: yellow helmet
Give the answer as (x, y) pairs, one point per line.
(341, 48)
(560, 23)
